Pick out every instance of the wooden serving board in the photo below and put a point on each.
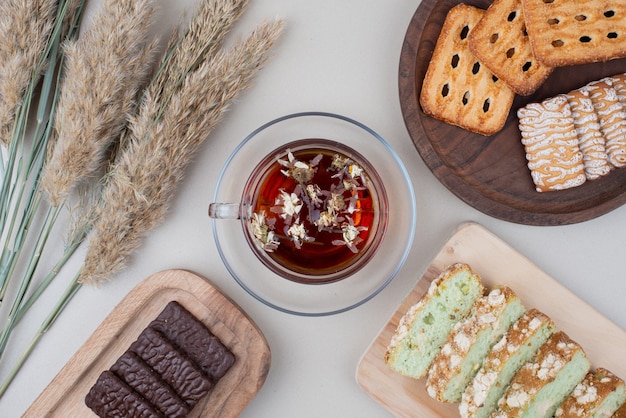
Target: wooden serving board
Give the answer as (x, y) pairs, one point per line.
(497, 263)
(64, 396)
(491, 173)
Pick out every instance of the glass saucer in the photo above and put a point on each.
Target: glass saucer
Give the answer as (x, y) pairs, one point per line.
(316, 299)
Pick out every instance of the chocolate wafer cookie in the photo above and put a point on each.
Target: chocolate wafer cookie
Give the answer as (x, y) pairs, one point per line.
(173, 366)
(500, 42)
(111, 397)
(576, 31)
(193, 338)
(457, 88)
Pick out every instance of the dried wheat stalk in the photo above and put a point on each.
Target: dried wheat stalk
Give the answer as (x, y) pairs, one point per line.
(25, 27)
(203, 36)
(106, 69)
(144, 178)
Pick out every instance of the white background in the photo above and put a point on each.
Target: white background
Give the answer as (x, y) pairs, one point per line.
(336, 56)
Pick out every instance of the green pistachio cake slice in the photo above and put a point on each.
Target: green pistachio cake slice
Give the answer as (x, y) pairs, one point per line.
(542, 384)
(516, 347)
(426, 325)
(599, 395)
(469, 343)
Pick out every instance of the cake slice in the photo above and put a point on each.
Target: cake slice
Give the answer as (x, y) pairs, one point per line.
(621, 412)
(541, 385)
(425, 327)
(516, 347)
(470, 341)
(599, 395)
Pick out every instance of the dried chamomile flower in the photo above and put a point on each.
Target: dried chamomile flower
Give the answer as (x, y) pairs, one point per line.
(262, 231)
(298, 170)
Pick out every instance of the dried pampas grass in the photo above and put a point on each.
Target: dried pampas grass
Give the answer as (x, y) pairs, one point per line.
(25, 28)
(143, 180)
(202, 38)
(106, 69)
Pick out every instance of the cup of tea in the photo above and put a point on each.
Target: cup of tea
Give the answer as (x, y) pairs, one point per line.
(313, 213)
(312, 210)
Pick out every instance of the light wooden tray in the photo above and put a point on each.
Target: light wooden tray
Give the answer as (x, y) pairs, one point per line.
(64, 396)
(497, 263)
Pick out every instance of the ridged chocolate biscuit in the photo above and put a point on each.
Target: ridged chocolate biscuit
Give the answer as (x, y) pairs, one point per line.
(111, 397)
(194, 339)
(175, 368)
(146, 382)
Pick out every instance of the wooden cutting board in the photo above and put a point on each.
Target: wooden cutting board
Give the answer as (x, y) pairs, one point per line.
(497, 263)
(64, 396)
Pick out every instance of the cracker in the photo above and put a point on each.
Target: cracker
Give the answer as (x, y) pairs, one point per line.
(567, 32)
(590, 138)
(500, 42)
(551, 144)
(457, 88)
(612, 118)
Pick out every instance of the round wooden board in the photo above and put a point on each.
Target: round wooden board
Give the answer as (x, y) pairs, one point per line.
(490, 173)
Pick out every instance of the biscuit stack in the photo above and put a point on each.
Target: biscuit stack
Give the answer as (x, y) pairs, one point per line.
(577, 136)
(483, 58)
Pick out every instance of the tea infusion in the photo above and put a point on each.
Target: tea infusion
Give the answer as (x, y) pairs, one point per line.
(314, 211)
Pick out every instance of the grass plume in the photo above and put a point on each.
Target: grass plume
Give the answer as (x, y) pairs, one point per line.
(203, 36)
(25, 29)
(106, 68)
(143, 180)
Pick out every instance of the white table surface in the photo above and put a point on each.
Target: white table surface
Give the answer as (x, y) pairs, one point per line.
(336, 56)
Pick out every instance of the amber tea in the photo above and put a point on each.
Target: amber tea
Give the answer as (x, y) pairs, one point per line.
(316, 208)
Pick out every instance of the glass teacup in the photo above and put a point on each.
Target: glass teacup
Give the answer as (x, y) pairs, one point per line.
(312, 211)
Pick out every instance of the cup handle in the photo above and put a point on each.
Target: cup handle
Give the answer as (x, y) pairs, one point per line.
(224, 210)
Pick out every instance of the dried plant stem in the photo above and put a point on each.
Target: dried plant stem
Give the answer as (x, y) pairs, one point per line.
(106, 68)
(25, 29)
(143, 180)
(66, 297)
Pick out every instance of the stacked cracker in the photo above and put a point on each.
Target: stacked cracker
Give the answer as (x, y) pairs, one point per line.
(496, 358)
(483, 58)
(575, 137)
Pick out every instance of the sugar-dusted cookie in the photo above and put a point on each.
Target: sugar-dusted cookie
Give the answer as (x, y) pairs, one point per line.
(619, 84)
(612, 117)
(590, 138)
(500, 42)
(551, 144)
(576, 31)
(457, 88)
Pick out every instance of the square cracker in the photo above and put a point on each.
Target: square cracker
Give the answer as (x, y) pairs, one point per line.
(551, 142)
(457, 88)
(567, 32)
(500, 42)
